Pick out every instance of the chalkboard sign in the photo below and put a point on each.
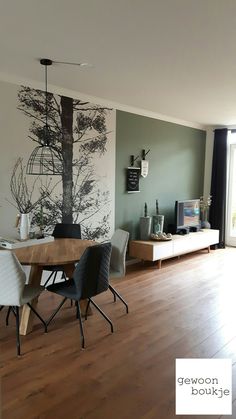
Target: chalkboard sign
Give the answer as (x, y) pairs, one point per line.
(132, 179)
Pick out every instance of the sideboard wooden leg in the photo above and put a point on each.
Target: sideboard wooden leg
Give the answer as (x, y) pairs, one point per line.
(159, 263)
(209, 249)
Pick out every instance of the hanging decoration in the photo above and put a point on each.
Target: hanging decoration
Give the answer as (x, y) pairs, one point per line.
(144, 164)
(43, 159)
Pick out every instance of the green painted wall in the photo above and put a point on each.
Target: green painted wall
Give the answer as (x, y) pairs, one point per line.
(176, 167)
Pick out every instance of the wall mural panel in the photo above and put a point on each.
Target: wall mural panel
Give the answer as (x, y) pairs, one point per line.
(82, 137)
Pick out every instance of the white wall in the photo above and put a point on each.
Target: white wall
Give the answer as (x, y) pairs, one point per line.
(13, 144)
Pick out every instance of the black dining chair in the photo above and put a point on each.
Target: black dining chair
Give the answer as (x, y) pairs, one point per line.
(90, 278)
(62, 231)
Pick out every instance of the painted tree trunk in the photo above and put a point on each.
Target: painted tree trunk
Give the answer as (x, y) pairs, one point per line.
(67, 157)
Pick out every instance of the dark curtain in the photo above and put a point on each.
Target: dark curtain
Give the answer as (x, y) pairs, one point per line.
(218, 184)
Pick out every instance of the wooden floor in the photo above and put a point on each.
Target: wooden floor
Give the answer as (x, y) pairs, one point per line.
(186, 309)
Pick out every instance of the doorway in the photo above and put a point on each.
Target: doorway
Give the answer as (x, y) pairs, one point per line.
(231, 191)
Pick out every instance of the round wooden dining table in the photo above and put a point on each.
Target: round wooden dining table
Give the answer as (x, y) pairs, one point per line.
(63, 252)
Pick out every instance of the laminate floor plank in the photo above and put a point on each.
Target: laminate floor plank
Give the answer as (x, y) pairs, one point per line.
(186, 309)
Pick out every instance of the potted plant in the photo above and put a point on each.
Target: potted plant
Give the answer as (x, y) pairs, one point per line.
(158, 220)
(205, 204)
(145, 225)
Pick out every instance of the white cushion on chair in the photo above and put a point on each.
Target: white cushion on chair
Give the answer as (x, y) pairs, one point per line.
(12, 279)
(13, 291)
(119, 243)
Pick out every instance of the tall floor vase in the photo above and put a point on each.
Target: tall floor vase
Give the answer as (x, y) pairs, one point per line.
(145, 227)
(24, 226)
(204, 219)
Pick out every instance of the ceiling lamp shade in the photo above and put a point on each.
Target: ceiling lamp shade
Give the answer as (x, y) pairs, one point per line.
(43, 159)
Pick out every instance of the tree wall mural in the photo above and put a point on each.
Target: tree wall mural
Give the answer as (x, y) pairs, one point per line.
(79, 136)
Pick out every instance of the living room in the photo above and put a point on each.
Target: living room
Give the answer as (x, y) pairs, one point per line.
(124, 77)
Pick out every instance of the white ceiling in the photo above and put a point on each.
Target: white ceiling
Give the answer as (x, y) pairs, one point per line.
(170, 57)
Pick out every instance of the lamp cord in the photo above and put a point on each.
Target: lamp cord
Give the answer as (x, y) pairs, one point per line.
(46, 105)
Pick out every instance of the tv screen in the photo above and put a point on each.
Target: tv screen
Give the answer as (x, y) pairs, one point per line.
(187, 213)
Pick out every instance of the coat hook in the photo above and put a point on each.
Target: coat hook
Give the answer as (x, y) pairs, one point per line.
(132, 159)
(144, 154)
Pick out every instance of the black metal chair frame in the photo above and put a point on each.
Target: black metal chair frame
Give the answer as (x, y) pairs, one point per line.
(58, 234)
(15, 311)
(54, 274)
(79, 317)
(116, 294)
(91, 277)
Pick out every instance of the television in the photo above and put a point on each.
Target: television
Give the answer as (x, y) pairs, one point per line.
(187, 213)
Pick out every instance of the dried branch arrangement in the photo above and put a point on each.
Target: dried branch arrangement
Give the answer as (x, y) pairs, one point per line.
(20, 191)
(205, 203)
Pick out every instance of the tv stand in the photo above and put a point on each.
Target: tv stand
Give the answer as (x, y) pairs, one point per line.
(179, 245)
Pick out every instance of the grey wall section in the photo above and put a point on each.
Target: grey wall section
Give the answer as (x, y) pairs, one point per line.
(176, 167)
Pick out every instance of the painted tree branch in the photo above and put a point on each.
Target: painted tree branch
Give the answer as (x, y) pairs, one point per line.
(20, 191)
(74, 123)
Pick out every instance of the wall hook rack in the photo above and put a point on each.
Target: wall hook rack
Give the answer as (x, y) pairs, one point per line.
(144, 153)
(133, 160)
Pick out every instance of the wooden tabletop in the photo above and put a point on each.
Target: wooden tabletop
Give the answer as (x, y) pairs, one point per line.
(58, 252)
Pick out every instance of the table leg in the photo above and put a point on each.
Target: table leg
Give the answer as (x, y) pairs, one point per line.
(26, 323)
(69, 269)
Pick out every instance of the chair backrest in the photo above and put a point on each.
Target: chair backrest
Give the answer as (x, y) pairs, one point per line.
(119, 242)
(91, 275)
(12, 279)
(67, 231)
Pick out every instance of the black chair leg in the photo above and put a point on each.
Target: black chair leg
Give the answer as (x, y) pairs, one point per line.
(39, 317)
(86, 311)
(114, 292)
(16, 312)
(51, 274)
(63, 276)
(56, 311)
(77, 310)
(54, 278)
(80, 324)
(102, 313)
(10, 309)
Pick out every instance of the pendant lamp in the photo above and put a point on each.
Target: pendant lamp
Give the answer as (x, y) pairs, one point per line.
(43, 159)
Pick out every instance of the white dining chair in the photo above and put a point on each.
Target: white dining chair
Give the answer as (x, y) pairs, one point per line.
(14, 292)
(119, 242)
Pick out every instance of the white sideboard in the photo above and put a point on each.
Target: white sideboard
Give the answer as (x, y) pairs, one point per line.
(179, 245)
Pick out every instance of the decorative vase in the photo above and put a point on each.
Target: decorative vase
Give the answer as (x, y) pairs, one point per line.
(204, 219)
(145, 227)
(158, 223)
(24, 226)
